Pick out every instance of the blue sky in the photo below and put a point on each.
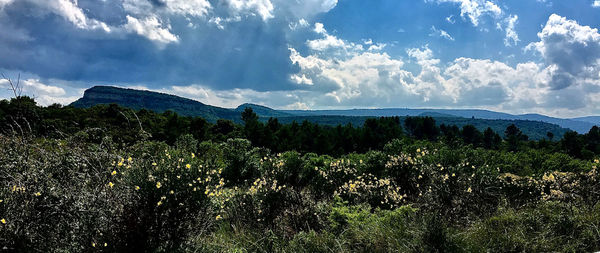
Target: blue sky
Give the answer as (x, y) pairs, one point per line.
(516, 56)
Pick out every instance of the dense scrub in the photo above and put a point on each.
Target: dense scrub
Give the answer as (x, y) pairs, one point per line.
(84, 193)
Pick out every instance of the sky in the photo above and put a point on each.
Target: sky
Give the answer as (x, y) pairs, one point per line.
(515, 56)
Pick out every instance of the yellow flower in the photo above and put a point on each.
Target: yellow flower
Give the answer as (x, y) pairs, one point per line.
(454, 175)
(3, 221)
(1, 201)
(218, 217)
(158, 185)
(37, 194)
(159, 203)
(110, 184)
(120, 164)
(188, 166)
(193, 155)
(114, 172)
(172, 192)
(94, 244)
(352, 187)
(137, 188)
(129, 159)
(153, 164)
(106, 244)
(469, 190)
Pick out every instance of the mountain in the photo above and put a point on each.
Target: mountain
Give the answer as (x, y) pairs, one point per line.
(534, 125)
(262, 110)
(590, 119)
(155, 101)
(580, 125)
(535, 130)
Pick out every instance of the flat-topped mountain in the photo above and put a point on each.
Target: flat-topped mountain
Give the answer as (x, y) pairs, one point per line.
(155, 101)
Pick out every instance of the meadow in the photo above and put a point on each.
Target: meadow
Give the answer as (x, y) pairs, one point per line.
(69, 195)
(103, 189)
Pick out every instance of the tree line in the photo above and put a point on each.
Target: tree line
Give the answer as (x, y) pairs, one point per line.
(126, 126)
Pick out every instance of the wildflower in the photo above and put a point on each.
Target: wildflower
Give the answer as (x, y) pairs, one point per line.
(37, 194)
(153, 164)
(454, 175)
(114, 172)
(120, 164)
(137, 188)
(187, 166)
(1, 201)
(3, 221)
(469, 190)
(352, 187)
(110, 184)
(94, 244)
(129, 159)
(218, 217)
(106, 244)
(158, 185)
(193, 155)
(159, 203)
(172, 192)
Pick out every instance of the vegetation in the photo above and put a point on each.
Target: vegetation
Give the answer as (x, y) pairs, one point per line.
(115, 180)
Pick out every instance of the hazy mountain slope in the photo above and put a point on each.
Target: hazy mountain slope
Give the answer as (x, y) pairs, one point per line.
(590, 119)
(576, 125)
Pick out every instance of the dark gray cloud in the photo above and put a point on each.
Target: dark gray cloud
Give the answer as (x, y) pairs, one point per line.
(249, 53)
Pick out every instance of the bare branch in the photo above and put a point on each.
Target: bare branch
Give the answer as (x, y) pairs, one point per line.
(17, 89)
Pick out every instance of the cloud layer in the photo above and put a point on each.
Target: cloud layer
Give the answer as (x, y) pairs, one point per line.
(286, 55)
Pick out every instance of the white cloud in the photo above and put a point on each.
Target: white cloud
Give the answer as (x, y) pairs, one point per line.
(69, 10)
(303, 8)
(571, 51)
(512, 38)
(330, 42)
(264, 8)
(596, 4)
(5, 3)
(151, 28)
(440, 33)
(301, 23)
(196, 8)
(44, 94)
(301, 79)
(474, 9)
(35, 86)
(377, 47)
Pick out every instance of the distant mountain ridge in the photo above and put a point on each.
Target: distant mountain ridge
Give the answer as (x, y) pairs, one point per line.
(161, 102)
(580, 125)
